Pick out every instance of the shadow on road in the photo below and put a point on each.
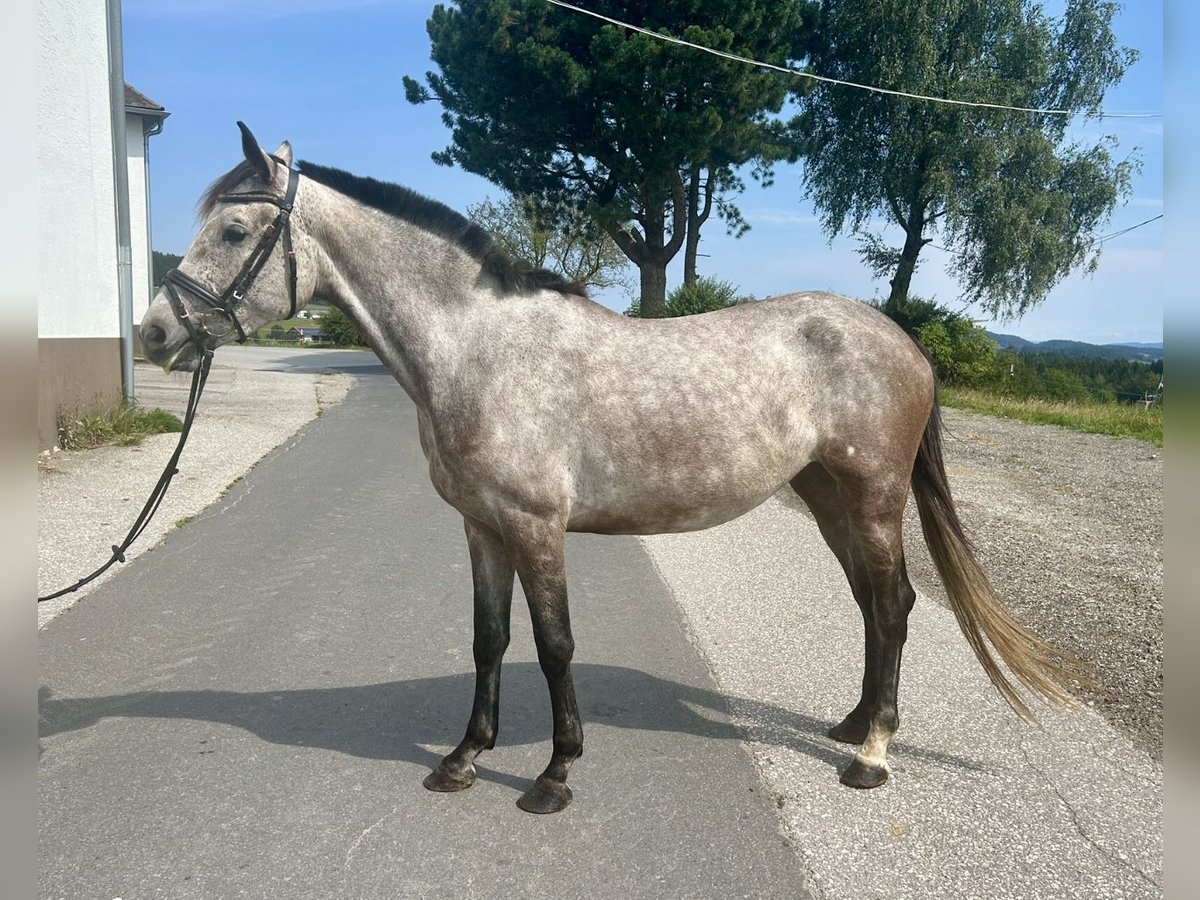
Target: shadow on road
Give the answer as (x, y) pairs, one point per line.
(347, 362)
(392, 720)
(374, 368)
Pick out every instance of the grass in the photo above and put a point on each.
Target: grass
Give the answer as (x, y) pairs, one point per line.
(229, 487)
(1116, 419)
(125, 425)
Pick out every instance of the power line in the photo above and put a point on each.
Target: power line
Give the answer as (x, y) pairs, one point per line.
(864, 87)
(1099, 240)
(1109, 237)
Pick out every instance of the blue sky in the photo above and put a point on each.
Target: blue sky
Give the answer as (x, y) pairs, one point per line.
(326, 75)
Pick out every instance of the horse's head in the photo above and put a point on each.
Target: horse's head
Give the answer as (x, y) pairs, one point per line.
(243, 270)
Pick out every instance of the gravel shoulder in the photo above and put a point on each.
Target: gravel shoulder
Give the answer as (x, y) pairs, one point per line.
(1070, 528)
(88, 499)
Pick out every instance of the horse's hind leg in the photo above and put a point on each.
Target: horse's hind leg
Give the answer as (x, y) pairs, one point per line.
(492, 573)
(875, 509)
(818, 490)
(872, 505)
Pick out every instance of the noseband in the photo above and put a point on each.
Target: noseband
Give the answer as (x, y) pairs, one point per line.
(226, 303)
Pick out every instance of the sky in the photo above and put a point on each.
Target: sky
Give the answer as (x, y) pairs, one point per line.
(326, 76)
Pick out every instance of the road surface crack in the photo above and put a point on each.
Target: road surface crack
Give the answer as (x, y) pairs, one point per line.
(1083, 832)
(357, 842)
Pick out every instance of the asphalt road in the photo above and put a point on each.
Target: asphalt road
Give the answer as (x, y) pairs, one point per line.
(249, 709)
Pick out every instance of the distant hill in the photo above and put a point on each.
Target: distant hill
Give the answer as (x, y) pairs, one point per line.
(1144, 352)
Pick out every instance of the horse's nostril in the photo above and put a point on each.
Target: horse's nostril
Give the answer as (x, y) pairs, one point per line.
(154, 336)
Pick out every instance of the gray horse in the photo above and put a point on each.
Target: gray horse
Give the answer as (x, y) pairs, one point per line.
(542, 412)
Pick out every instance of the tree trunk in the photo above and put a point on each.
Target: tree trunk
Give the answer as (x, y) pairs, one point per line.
(653, 265)
(650, 250)
(693, 226)
(696, 216)
(904, 272)
(913, 242)
(654, 288)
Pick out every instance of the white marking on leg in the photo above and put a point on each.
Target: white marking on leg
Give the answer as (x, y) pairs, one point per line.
(875, 747)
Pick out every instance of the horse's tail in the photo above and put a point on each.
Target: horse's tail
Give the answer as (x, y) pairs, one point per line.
(1038, 665)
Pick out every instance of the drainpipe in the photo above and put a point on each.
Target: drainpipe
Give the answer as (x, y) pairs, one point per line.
(148, 133)
(116, 90)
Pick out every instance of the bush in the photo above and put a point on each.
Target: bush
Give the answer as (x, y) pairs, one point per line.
(704, 295)
(961, 351)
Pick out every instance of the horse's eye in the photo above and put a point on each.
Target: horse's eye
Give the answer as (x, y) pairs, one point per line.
(234, 234)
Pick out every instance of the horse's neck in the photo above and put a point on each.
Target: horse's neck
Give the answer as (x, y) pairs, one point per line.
(406, 291)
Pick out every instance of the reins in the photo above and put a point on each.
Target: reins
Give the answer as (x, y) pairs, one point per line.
(199, 377)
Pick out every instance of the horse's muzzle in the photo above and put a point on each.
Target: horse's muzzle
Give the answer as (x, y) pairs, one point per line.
(167, 346)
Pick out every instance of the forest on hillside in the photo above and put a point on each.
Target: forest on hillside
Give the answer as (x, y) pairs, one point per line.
(1054, 376)
(162, 263)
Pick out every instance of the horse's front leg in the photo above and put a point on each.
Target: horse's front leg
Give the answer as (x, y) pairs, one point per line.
(492, 573)
(538, 549)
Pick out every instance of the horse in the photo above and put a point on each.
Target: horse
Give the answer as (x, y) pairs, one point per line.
(542, 412)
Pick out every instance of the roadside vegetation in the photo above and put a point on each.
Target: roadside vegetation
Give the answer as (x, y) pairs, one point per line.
(1118, 397)
(1116, 419)
(125, 426)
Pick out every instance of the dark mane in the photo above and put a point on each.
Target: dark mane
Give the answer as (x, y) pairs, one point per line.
(513, 275)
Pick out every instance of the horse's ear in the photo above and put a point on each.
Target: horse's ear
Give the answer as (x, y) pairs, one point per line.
(261, 163)
(284, 153)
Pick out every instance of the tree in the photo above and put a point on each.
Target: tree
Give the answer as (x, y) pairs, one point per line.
(161, 263)
(642, 135)
(562, 240)
(341, 331)
(1009, 193)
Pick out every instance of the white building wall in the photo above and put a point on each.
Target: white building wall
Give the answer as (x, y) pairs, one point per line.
(77, 261)
(139, 230)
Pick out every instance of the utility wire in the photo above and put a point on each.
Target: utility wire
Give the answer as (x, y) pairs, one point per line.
(1099, 240)
(864, 87)
(1109, 237)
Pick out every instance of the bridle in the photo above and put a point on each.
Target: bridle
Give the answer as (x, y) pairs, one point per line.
(227, 302)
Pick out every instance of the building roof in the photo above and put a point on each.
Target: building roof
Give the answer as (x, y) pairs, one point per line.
(139, 104)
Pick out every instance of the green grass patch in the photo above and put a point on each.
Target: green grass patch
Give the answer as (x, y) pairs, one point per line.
(1116, 419)
(126, 425)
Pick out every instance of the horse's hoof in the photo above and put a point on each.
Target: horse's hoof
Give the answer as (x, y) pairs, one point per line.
(545, 797)
(849, 731)
(447, 780)
(864, 775)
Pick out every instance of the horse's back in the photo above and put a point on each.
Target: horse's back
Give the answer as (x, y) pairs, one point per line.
(680, 424)
(644, 426)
